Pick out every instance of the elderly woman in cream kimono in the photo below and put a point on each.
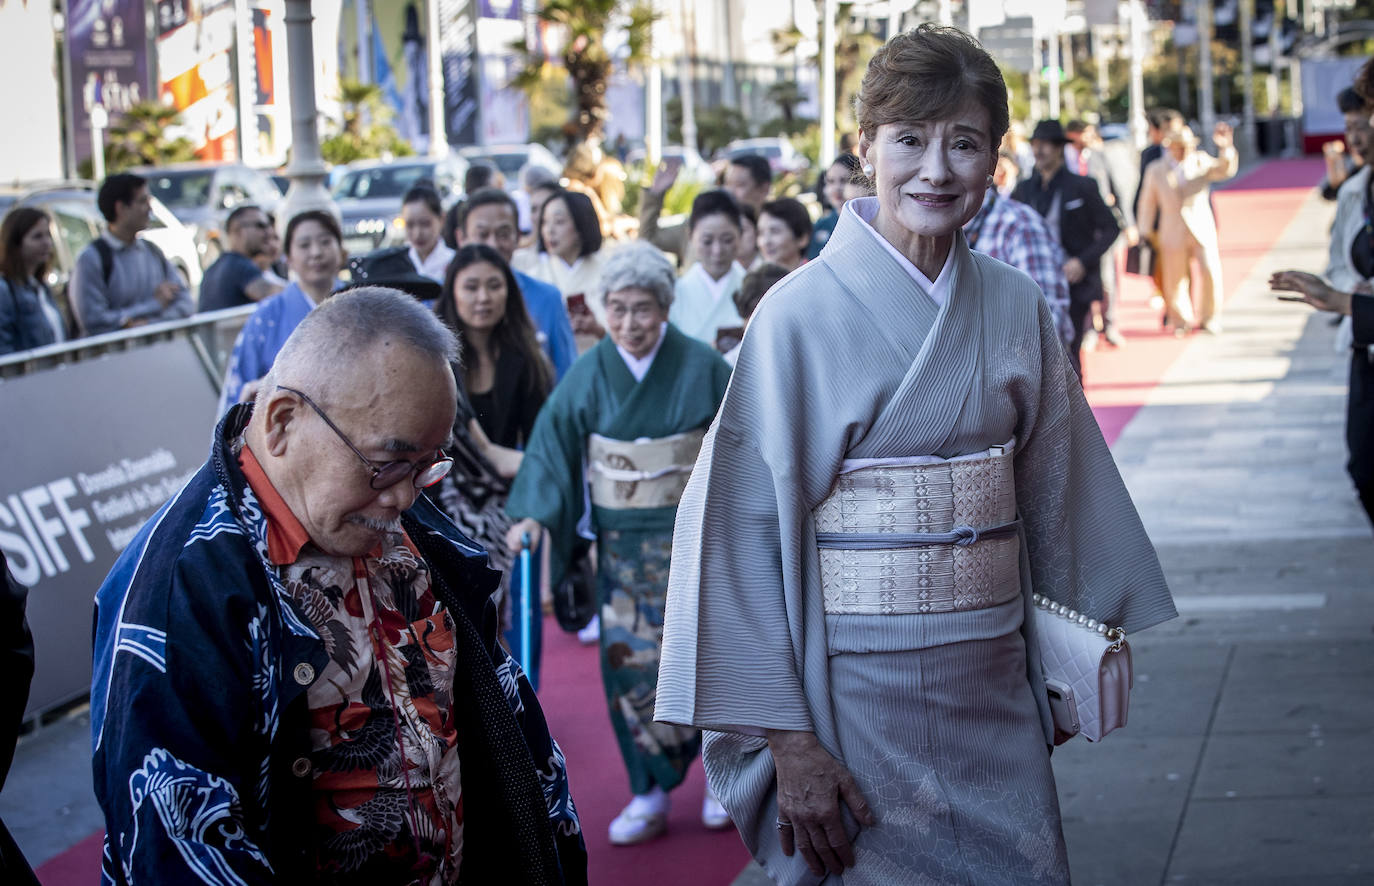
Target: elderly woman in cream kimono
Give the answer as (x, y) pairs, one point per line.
(902, 457)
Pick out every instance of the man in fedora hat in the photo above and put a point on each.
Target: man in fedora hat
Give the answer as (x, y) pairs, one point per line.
(1074, 210)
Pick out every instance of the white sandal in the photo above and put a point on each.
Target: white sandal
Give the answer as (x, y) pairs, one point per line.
(644, 819)
(713, 815)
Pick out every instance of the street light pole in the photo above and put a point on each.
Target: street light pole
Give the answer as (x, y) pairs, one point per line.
(686, 74)
(828, 11)
(1137, 36)
(306, 170)
(1246, 22)
(1206, 111)
(99, 120)
(438, 124)
(653, 95)
(1053, 80)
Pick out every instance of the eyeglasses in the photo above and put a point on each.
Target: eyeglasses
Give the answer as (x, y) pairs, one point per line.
(642, 312)
(384, 476)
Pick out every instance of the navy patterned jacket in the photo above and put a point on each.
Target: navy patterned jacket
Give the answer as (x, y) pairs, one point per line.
(199, 720)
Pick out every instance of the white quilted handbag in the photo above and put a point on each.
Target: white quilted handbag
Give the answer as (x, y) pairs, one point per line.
(1087, 668)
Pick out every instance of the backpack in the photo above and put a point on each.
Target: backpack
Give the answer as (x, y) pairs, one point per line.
(106, 253)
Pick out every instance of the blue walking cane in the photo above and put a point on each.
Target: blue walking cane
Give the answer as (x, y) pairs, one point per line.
(526, 608)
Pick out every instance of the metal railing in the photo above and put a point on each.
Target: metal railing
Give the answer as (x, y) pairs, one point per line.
(212, 335)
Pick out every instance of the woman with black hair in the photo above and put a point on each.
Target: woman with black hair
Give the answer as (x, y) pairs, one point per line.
(704, 304)
(28, 316)
(842, 181)
(422, 213)
(784, 232)
(315, 255)
(568, 255)
(505, 374)
(503, 381)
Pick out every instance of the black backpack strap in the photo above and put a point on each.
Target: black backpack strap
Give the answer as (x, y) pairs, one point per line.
(166, 265)
(106, 258)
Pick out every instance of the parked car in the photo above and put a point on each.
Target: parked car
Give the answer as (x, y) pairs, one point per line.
(369, 194)
(202, 195)
(77, 221)
(510, 159)
(694, 167)
(279, 178)
(782, 157)
(1110, 131)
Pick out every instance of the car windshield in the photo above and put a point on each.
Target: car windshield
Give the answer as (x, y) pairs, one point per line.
(510, 164)
(181, 190)
(382, 181)
(6, 201)
(769, 151)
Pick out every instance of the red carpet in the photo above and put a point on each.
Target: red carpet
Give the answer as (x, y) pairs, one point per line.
(576, 709)
(1252, 212)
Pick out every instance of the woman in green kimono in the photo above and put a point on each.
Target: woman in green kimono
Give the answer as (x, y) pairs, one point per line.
(633, 410)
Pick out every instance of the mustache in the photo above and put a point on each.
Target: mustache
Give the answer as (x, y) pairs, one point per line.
(391, 527)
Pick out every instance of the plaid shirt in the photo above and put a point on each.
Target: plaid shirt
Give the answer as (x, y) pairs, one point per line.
(1014, 233)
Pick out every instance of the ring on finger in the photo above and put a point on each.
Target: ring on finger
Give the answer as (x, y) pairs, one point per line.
(780, 824)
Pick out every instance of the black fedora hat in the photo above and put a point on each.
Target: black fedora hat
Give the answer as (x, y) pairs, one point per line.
(1049, 131)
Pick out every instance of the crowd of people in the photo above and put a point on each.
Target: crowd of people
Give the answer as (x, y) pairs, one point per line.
(346, 567)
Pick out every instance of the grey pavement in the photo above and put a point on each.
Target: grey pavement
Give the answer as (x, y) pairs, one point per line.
(1249, 758)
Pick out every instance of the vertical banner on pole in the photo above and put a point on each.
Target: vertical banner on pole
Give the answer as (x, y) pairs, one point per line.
(195, 46)
(386, 42)
(107, 60)
(458, 46)
(505, 110)
(266, 140)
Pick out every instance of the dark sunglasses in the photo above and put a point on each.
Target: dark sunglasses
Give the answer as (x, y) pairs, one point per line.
(384, 476)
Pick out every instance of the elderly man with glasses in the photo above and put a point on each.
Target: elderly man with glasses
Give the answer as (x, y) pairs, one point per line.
(297, 677)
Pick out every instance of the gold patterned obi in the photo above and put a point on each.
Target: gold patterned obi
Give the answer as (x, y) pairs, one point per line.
(905, 536)
(643, 473)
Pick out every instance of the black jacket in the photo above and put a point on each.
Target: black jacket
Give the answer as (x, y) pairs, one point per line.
(16, 662)
(1087, 228)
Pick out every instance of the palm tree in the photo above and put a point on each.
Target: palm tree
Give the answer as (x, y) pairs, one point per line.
(854, 46)
(584, 55)
(361, 102)
(139, 138)
(786, 94)
(365, 132)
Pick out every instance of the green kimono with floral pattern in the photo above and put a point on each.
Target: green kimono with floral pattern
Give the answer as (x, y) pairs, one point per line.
(680, 392)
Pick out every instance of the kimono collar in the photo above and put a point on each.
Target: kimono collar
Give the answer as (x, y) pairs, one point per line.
(856, 255)
(717, 289)
(639, 366)
(866, 209)
(563, 267)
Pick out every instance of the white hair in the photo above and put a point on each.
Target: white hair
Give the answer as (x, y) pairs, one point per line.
(639, 265)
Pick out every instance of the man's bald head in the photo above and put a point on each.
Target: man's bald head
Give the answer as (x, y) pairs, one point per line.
(363, 381)
(331, 343)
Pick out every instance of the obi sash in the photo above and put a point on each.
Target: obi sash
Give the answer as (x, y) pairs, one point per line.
(643, 473)
(916, 535)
